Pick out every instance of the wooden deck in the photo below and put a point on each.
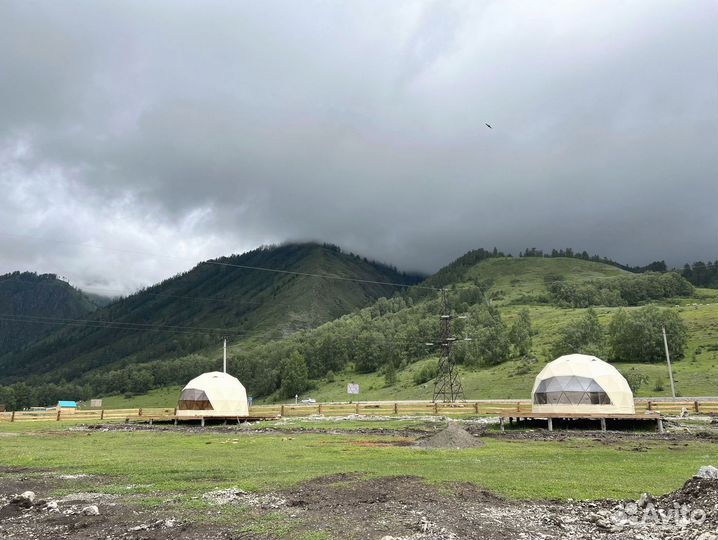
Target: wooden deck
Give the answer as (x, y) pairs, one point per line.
(550, 417)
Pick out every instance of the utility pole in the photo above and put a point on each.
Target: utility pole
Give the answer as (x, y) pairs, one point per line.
(668, 359)
(224, 363)
(447, 386)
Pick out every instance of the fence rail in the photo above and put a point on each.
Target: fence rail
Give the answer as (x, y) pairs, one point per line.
(377, 408)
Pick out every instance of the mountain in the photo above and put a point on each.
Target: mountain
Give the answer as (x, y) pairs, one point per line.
(28, 299)
(194, 310)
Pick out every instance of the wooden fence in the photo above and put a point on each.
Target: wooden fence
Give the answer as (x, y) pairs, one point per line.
(378, 408)
(89, 414)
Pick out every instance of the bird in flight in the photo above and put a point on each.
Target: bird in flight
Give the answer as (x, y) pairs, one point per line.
(489, 126)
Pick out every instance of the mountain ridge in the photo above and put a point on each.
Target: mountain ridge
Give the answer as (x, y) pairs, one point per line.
(216, 295)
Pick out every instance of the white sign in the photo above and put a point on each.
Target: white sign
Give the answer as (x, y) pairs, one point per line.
(95, 403)
(352, 388)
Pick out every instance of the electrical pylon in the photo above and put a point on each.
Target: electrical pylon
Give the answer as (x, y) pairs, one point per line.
(447, 386)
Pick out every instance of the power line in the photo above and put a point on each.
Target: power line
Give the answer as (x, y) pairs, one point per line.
(122, 325)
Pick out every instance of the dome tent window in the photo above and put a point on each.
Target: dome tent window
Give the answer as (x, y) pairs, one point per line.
(572, 390)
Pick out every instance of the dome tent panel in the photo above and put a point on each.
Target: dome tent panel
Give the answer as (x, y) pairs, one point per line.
(579, 383)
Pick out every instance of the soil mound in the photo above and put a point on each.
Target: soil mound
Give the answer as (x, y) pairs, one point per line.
(451, 437)
(696, 492)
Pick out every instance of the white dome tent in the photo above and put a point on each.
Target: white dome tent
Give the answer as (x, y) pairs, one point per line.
(213, 394)
(579, 383)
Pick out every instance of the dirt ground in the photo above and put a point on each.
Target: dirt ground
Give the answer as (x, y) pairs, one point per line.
(675, 430)
(350, 506)
(359, 507)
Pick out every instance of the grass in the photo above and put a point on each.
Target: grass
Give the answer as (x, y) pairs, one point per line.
(158, 462)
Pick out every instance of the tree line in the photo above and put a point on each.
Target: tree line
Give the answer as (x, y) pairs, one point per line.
(619, 291)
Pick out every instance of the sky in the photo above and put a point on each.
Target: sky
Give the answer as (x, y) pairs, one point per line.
(138, 138)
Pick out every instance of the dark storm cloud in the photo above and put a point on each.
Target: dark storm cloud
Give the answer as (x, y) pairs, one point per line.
(192, 130)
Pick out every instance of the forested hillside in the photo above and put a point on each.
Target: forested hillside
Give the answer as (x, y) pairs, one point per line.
(28, 299)
(194, 310)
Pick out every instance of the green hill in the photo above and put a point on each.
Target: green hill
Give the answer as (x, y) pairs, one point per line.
(192, 311)
(27, 299)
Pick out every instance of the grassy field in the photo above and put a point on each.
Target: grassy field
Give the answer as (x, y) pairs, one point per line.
(158, 463)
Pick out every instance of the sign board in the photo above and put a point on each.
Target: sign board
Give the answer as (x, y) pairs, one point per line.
(95, 403)
(352, 388)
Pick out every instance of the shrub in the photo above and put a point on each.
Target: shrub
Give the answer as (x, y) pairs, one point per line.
(426, 373)
(637, 336)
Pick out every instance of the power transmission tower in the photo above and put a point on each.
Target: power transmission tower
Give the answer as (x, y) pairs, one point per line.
(448, 385)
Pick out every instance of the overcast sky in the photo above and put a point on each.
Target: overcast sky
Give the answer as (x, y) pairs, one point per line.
(137, 138)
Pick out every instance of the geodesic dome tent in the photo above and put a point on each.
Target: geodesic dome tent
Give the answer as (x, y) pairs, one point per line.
(579, 383)
(213, 394)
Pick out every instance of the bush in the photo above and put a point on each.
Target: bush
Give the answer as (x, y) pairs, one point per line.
(426, 373)
(390, 374)
(294, 374)
(635, 379)
(637, 336)
(583, 336)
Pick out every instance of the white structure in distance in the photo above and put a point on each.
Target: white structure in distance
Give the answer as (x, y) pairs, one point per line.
(213, 394)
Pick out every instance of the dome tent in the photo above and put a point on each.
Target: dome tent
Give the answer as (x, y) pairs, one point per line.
(579, 383)
(213, 394)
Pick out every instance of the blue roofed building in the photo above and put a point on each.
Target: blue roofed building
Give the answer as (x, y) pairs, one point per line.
(67, 405)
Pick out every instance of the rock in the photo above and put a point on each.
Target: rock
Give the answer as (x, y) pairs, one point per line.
(644, 500)
(51, 506)
(25, 499)
(709, 472)
(91, 510)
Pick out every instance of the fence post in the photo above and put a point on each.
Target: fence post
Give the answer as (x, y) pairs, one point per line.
(695, 405)
(476, 407)
(59, 410)
(102, 414)
(319, 409)
(356, 408)
(650, 405)
(12, 416)
(139, 413)
(396, 408)
(281, 411)
(518, 406)
(436, 408)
